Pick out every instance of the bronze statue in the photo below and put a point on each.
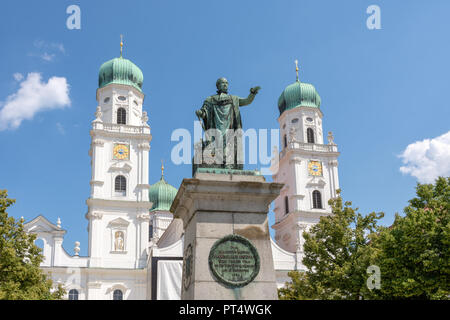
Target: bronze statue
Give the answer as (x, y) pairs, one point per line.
(221, 118)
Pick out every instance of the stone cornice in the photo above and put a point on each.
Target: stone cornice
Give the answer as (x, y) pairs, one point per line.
(94, 215)
(119, 222)
(229, 196)
(314, 214)
(316, 182)
(41, 225)
(121, 166)
(118, 203)
(113, 86)
(144, 146)
(333, 163)
(144, 216)
(292, 155)
(95, 270)
(94, 284)
(295, 159)
(297, 109)
(287, 220)
(295, 215)
(118, 134)
(98, 142)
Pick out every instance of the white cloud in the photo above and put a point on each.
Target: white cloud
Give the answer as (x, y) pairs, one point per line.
(33, 96)
(47, 56)
(59, 46)
(47, 50)
(427, 159)
(18, 76)
(60, 128)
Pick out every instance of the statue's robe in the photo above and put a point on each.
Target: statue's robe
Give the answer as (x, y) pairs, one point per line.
(222, 113)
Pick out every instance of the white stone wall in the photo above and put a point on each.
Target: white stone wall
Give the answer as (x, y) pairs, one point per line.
(160, 221)
(114, 96)
(99, 284)
(103, 228)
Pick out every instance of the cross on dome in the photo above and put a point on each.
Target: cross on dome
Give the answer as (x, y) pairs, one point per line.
(121, 44)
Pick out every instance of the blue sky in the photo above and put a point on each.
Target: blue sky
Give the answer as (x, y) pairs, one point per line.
(384, 92)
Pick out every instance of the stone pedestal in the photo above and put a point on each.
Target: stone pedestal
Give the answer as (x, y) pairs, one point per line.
(212, 207)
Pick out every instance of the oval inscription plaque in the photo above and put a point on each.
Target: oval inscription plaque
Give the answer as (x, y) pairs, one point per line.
(234, 261)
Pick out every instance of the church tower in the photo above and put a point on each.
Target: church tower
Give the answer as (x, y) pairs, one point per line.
(118, 206)
(307, 167)
(161, 194)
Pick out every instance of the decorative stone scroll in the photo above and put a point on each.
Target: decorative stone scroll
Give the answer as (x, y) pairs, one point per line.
(234, 261)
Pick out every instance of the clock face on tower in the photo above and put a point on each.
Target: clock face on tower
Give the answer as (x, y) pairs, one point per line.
(121, 152)
(315, 168)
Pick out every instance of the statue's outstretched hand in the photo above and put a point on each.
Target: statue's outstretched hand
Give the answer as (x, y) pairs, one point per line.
(255, 90)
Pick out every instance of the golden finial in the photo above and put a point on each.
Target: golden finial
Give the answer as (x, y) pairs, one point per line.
(296, 68)
(162, 168)
(121, 44)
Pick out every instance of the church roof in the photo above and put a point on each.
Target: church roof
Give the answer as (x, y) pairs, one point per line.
(162, 194)
(298, 94)
(120, 71)
(41, 224)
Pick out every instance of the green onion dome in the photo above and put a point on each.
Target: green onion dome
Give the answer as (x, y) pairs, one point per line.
(298, 94)
(162, 195)
(120, 71)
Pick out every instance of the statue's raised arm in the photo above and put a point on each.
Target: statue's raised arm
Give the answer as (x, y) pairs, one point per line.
(251, 96)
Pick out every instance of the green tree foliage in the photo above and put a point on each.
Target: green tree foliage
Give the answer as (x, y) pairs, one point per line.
(337, 253)
(299, 288)
(20, 275)
(414, 253)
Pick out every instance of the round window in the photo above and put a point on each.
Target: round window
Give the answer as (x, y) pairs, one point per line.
(106, 100)
(294, 120)
(122, 98)
(309, 119)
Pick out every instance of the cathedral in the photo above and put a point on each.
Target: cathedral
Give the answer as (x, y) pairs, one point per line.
(135, 249)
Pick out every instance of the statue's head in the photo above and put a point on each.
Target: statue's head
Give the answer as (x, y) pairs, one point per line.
(222, 85)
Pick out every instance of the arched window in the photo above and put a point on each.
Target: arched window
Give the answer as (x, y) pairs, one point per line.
(285, 141)
(117, 295)
(317, 200)
(310, 135)
(286, 205)
(120, 184)
(121, 116)
(73, 294)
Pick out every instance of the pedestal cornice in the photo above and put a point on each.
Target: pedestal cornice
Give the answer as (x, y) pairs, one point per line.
(223, 196)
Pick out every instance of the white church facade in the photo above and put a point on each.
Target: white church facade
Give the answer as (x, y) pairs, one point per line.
(135, 248)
